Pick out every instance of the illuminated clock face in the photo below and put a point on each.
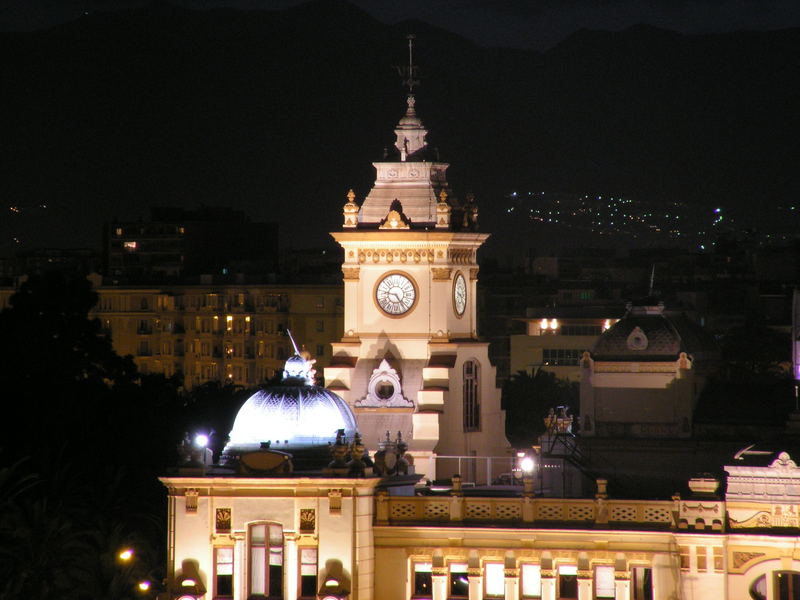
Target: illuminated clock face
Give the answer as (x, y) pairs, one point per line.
(460, 294)
(395, 294)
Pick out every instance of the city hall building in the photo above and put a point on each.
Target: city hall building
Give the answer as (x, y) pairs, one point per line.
(330, 493)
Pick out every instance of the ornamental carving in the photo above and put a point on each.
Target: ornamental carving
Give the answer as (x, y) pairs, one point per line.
(191, 500)
(384, 389)
(441, 273)
(308, 520)
(222, 521)
(395, 254)
(742, 558)
(350, 273)
(460, 256)
(473, 273)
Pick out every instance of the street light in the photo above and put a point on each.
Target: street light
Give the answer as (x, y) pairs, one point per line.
(201, 440)
(126, 555)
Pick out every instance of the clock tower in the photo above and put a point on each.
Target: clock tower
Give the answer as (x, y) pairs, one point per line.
(410, 360)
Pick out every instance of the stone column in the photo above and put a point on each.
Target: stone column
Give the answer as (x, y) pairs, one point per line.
(512, 584)
(290, 574)
(548, 584)
(439, 583)
(475, 578)
(585, 585)
(240, 566)
(622, 585)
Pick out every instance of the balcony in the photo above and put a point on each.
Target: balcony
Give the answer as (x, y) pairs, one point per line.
(525, 512)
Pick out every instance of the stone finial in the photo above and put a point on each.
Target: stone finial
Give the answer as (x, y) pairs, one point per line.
(443, 212)
(350, 211)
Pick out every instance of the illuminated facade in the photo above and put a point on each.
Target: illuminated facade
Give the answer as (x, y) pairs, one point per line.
(228, 333)
(410, 359)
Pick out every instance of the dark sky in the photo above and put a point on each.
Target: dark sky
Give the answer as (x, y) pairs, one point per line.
(517, 23)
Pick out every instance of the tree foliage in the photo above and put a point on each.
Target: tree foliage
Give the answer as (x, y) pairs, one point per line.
(528, 397)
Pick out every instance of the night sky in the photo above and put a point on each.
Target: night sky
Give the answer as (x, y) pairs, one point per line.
(111, 113)
(535, 24)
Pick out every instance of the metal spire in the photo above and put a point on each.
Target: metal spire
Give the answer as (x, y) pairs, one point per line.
(410, 72)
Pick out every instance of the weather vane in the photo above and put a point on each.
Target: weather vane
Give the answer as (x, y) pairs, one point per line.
(410, 72)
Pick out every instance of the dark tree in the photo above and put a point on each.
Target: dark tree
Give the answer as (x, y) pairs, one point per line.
(527, 399)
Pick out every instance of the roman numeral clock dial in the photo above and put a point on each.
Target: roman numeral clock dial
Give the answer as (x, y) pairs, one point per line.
(395, 294)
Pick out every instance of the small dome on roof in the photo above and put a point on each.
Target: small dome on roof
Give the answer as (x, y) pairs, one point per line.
(293, 416)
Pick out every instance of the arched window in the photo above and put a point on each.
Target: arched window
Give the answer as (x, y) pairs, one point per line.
(266, 561)
(758, 589)
(472, 404)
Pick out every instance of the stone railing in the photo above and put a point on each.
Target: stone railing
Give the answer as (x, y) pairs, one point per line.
(399, 510)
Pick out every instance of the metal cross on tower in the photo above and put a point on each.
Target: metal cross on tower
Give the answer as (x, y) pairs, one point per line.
(410, 72)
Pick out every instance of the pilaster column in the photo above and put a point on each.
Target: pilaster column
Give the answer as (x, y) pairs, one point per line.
(512, 584)
(548, 584)
(290, 564)
(584, 585)
(239, 566)
(622, 585)
(439, 583)
(475, 578)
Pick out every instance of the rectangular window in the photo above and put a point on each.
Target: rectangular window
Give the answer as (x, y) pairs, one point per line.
(320, 325)
(685, 558)
(719, 564)
(604, 581)
(423, 583)
(223, 572)
(320, 349)
(702, 558)
(495, 580)
(472, 409)
(642, 583)
(531, 581)
(308, 572)
(320, 302)
(561, 356)
(459, 584)
(568, 582)
(129, 246)
(266, 560)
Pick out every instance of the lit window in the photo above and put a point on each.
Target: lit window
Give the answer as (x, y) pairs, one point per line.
(423, 583)
(719, 564)
(118, 231)
(472, 408)
(320, 325)
(223, 572)
(495, 579)
(229, 323)
(702, 558)
(531, 581)
(308, 572)
(129, 246)
(459, 583)
(567, 581)
(685, 558)
(266, 560)
(642, 583)
(604, 581)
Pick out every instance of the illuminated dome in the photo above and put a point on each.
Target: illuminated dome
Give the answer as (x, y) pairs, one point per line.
(292, 417)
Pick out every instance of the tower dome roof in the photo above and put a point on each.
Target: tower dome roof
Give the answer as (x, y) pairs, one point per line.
(292, 416)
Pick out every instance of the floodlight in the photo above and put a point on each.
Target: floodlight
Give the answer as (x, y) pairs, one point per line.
(201, 440)
(527, 464)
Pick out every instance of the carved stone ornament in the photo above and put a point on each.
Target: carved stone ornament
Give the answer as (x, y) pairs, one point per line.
(473, 273)
(384, 389)
(191, 500)
(308, 520)
(350, 211)
(784, 462)
(222, 521)
(441, 273)
(350, 273)
(335, 501)
(637, 340)
(742, 558)
(442, 212)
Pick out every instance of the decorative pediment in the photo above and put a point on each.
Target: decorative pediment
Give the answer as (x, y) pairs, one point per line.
(384, 389)
(395, 219)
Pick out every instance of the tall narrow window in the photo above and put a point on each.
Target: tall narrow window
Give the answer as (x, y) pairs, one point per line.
(642, 583)
(531, 581)
(567, 582)
(266, 560)
(223, 572)
(604, 581)
(495, 580)
(423, 581)
(459, 584)
(472, 407)
(308, 572)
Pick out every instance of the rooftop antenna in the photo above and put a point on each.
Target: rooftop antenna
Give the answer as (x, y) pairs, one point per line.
(410, 72)
(296, 349)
